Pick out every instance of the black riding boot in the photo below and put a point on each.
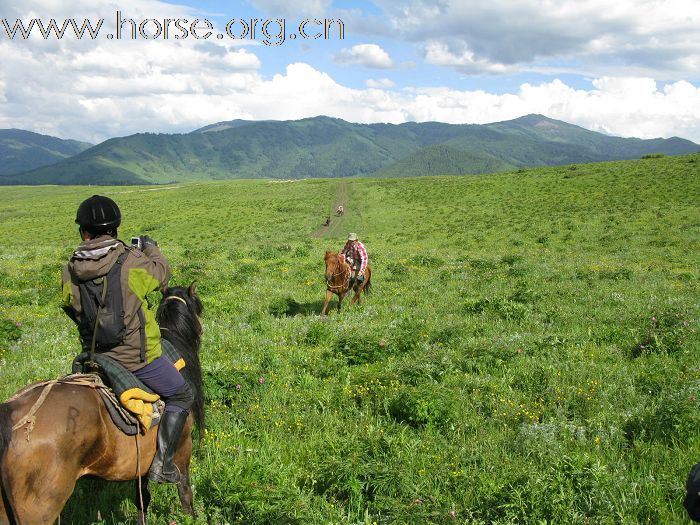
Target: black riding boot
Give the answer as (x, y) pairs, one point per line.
(163, 470)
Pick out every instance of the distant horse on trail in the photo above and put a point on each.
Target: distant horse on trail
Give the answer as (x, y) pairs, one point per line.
(338, 272)
(54, 432)
(339, 211)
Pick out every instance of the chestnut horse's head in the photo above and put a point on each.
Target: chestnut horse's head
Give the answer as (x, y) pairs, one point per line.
(331, 260)
(335, 267)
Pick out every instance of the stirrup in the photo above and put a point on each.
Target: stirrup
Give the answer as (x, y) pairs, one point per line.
(163, 477)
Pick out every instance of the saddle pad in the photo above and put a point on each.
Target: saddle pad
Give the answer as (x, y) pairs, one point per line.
(123, 419)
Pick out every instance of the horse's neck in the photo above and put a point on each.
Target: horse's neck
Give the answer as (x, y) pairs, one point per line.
(184, 332)
(189, 336)
(344, 267)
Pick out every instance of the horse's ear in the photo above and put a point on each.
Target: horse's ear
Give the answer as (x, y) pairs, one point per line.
(192, 290)
(164, 290)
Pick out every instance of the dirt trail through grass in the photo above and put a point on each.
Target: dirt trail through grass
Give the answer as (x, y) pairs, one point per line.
(342, 197)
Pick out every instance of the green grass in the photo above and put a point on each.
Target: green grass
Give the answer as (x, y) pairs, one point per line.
(529, 355)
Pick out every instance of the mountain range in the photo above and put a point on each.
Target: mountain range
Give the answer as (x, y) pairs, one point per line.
(330, 147)
(23, 150)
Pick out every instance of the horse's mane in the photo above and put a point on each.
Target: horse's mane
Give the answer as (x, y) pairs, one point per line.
(183, 329)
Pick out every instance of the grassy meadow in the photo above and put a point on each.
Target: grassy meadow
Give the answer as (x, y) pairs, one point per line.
(530, 352)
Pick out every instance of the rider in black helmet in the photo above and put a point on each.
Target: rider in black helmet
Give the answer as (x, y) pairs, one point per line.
(99, 215)
(134, 339)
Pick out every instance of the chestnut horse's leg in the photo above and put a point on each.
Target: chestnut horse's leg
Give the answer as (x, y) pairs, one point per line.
(358, 291)
(38, 494)
(361, 288)
(144, 495)
(182, 460)
(341, 296)
(41, 464)
(184, 490)
(329, 295)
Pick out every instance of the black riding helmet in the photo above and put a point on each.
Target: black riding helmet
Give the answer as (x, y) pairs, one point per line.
(98, 214)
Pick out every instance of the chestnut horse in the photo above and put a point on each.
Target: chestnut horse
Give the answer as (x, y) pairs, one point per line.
(338, 272)
(69, 434)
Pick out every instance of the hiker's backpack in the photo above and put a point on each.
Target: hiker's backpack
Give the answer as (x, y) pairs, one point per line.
(102, 325)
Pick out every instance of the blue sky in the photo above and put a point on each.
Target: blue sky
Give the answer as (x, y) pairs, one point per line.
(629, 68)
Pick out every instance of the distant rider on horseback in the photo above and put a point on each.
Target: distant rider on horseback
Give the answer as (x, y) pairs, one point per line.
(129, 333)
(356, 254)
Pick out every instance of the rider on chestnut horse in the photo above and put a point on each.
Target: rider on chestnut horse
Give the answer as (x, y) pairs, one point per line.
(105, 284)
(356, 254)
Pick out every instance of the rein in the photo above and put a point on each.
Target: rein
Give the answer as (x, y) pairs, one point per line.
(344, 269)
(138, 474)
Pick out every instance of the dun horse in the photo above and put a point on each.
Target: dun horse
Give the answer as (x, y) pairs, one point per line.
(338, 272)
(67, 433)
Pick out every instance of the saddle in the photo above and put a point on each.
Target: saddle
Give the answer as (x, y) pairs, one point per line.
(122, 418)
(139, 401)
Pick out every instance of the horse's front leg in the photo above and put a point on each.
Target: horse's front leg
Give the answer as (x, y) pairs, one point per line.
(143, 499)
(329, 296)
(341, 296)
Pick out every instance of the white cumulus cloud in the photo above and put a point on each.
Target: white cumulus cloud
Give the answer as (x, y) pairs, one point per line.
(94, 90)
(300, 8)
(304, 92)
(627, 37)
(368, 55)
(439, 53)
(380, 83)
(628, 107)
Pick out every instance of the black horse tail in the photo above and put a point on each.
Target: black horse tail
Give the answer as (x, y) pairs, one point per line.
(5, 436)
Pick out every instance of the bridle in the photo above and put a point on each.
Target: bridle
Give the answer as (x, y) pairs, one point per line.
(177, 298)
(344, 269)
